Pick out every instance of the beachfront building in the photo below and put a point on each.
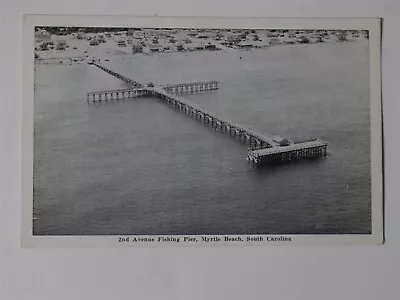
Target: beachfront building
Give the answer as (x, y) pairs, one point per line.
(94, 42)
(155, 48)
(137, 48)
(180, 48)
(244, 45)
(202, 36)
(121, 43)
(210, 46)
(303, 39)
(101, 38)
(61, 45)
(274, 41)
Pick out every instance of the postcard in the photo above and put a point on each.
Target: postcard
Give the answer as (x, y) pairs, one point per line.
(161, 131)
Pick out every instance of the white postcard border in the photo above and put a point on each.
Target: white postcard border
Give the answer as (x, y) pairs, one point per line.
(371, 24)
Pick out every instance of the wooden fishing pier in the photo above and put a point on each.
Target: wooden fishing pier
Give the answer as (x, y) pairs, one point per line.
(264, 149)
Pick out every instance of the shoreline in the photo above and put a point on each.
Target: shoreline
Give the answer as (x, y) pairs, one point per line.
(155, 42)
(84, 59)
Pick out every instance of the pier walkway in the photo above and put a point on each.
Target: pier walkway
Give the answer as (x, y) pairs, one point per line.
(125, 79)
(184, 105)
(267, 148)
(99, 96)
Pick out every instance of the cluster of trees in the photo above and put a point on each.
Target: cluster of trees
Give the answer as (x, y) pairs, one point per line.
(68, 30)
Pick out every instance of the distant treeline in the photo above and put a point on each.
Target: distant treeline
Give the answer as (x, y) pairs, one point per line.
(69, 30)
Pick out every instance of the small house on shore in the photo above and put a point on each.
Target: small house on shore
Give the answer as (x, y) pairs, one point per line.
(245, 45)
(180, 48)
(210, 47)
(61, 45)
(155, 48)
(137, 48)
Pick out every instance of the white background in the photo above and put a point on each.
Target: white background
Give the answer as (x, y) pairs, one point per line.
(284, 272)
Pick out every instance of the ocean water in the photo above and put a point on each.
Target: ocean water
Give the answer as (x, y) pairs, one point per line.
(140, 167)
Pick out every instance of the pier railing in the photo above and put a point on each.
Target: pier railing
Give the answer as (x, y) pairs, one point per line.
(250, 135)
(120, 94)
(289, 153)
(119, 76)
(191, 87)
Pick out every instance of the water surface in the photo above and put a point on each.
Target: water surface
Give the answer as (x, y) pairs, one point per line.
(139, 167)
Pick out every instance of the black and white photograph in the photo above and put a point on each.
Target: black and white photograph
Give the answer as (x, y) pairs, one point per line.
(189, 134)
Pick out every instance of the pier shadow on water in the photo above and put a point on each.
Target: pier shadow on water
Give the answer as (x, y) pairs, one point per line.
(278, 166)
